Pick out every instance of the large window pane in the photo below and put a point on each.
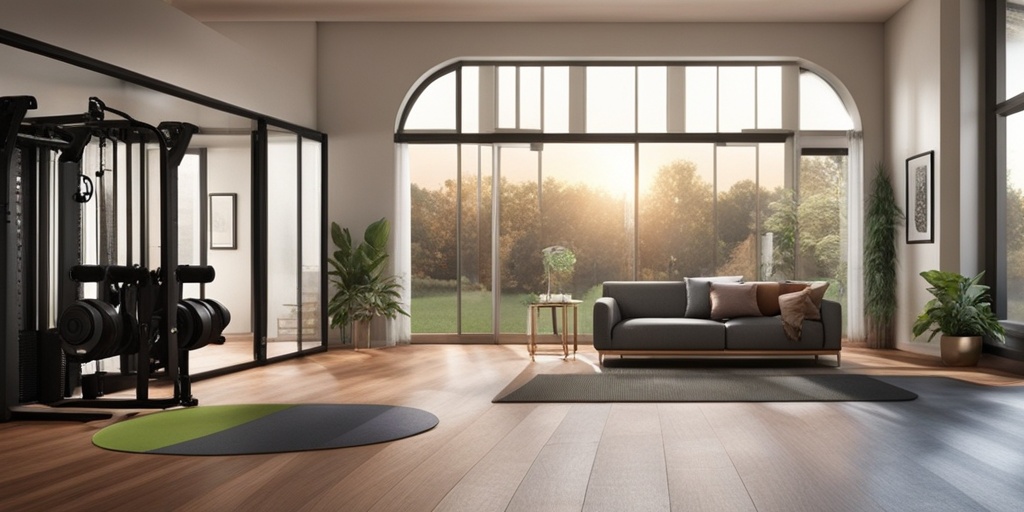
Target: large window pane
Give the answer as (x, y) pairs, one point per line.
(519, 234)
(556, 99)
(1014, 48)
(433, 176)
(771, 176)
(736, 93)
(821, 217)
(1015, 217)
(435, 108)
(736, 211)
(508, 101)
(652, 99)
(529, 98)
(475, 240)
(820, 106)
(587, 206)
(611, 100)
(676, 222)
(702, 99)
(769, 97)
(470, 99)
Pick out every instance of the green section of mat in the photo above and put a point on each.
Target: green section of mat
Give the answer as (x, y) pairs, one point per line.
(274, 428)
(162, 429)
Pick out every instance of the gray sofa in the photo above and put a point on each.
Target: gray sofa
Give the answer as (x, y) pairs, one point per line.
(648, 318)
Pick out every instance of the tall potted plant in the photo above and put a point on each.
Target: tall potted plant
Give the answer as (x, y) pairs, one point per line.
(962, 312)
(363, 291)
(883, 218)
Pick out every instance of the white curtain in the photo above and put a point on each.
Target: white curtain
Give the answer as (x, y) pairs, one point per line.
(399, 330)
(855, 329)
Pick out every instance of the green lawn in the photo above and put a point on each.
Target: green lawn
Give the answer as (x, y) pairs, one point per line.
(436, 313)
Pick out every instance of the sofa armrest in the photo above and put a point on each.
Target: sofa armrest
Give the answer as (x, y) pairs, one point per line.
(832, 324)
(606, 315)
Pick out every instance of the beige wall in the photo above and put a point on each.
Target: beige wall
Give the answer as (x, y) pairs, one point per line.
(933, 65)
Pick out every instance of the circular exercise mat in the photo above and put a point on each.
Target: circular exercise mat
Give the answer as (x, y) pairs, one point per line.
(263, 428)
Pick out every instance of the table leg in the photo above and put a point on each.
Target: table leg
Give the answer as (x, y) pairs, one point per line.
(575, 329)
(565, 332)
(531, 345)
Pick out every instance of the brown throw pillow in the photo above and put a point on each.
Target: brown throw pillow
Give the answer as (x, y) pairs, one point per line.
(794, 309)
(733, 300)
(768, 297)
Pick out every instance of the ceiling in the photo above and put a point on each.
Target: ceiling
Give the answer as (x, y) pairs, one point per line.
(543, 10)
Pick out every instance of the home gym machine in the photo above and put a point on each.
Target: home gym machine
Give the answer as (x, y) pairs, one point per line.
(137, 314)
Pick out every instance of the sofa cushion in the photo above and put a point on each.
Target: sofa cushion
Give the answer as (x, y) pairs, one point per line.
(733, 300)
(668, 334)
(647, 299)
(698, 294)
(767, 333)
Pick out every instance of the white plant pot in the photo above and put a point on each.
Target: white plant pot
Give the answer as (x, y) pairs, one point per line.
(555, 297)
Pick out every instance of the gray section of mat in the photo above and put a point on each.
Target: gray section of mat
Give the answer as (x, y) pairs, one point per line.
(703, 386)
(311, 427)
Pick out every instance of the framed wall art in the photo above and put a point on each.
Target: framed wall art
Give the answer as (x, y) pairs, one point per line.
(223, 222)
(920, 205)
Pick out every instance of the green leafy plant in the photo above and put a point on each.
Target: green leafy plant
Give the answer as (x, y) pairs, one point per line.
(961, 307)
(883, 218)
(363, 291)
(558, 261)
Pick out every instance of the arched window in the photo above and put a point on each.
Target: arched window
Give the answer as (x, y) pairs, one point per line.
(645, 170)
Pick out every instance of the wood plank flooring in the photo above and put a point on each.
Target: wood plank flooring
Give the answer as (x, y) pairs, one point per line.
(959, 446)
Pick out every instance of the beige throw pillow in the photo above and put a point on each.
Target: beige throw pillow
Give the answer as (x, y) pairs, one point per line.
(794, 308)
(733, 300)
(698, 294)
(816, 294)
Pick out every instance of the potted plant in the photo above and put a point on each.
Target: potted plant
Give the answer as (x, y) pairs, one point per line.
(363, 291)
(559, 263)
(961, 311)
(882, 219)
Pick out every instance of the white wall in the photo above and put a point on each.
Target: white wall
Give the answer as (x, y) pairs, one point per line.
(159, 41)
(932, 67)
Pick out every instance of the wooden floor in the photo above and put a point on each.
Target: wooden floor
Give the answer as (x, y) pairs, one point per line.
(960, 446)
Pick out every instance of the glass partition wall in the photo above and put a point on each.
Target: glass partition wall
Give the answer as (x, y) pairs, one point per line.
(266, 249)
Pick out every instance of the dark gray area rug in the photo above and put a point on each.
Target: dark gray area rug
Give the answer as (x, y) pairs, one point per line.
(687, 385)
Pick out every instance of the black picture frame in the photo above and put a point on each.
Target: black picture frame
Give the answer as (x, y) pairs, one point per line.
(223, 221)
(919, 206)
